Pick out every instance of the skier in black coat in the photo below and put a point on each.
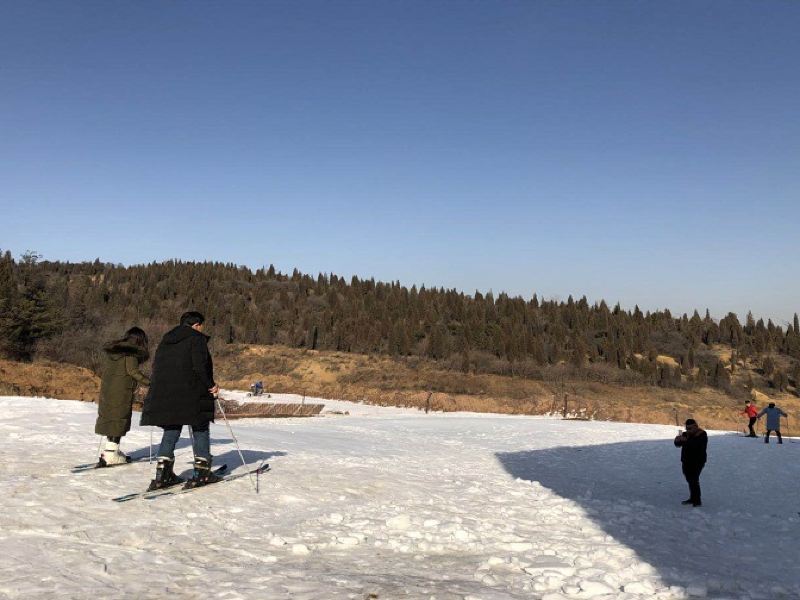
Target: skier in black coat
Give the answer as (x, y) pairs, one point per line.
(182, 391)
(693, 443)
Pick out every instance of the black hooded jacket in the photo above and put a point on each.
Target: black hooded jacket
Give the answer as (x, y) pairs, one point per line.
(693, 448)
(182, 376)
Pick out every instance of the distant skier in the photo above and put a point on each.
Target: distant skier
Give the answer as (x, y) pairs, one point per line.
(182, 393)
(751, 412)
(693, 443)
(121, 375)
(774, 415)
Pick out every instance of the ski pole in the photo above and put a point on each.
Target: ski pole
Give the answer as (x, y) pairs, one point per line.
(191, 439)
(235, 441)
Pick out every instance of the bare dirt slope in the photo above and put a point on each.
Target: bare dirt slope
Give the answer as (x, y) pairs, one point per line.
(50, 379)
(387, 381)
(420, 383)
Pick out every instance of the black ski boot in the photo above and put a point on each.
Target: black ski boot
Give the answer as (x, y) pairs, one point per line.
(165, 476)
(203, 475)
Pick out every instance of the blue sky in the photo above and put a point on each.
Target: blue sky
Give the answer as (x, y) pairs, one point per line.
(640, 152)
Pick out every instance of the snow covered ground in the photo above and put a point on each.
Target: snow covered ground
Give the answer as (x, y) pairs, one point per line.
(392, 503)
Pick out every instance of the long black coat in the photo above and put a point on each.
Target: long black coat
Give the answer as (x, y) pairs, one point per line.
(182, 375)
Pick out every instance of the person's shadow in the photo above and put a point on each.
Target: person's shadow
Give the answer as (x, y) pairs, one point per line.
(633, 490)
(253, 458)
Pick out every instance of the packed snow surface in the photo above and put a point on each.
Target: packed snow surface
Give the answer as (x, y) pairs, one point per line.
(392, 503)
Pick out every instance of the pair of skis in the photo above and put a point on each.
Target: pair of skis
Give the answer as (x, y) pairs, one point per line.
(174, 490)
(178, 489)
(92, 466)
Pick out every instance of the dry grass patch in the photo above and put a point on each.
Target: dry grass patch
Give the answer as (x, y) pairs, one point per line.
(50, 379)
(416, 382)
(409, 382)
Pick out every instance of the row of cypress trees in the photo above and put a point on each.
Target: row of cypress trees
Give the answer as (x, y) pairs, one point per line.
(64, 310)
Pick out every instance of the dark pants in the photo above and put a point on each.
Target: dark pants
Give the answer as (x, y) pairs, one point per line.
(777, 432)
(692, 474)
(201, 442)
(750, 425)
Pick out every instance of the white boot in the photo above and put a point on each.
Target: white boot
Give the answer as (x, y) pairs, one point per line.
(112, 455)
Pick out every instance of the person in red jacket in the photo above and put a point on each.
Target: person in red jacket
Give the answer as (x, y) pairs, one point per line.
(752, 412)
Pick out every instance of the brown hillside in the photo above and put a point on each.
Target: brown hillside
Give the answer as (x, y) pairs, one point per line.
(388, 381)
(50, 379)
(407, 382)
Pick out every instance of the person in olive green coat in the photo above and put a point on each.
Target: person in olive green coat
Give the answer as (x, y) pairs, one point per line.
(121, 376)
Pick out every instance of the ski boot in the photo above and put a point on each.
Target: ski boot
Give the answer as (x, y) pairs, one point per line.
(165, 476)
(112, 456)
(202, 474)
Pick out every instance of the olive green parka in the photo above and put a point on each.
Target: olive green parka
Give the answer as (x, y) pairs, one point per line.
(121, 375)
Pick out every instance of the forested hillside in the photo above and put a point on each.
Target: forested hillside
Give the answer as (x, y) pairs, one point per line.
(63, 311)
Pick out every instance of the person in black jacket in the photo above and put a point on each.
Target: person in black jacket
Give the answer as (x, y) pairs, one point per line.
(693, 443)
(182, 391)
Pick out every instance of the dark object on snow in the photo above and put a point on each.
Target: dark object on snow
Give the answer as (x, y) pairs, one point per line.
(165, 475)
(183, 374)
(175, 490)
(203, 475)
(693, 444)
(266, 410)
(774, 415)
(163, 491)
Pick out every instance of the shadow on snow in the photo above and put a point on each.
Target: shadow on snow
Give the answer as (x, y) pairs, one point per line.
(633, 490)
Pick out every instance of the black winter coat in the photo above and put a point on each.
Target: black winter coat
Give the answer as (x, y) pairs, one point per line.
(693, 448)
(182, 375)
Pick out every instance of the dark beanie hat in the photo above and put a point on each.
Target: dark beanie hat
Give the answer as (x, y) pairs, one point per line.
(690, 422)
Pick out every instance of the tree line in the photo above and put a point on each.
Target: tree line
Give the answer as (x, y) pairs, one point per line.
(64, 311)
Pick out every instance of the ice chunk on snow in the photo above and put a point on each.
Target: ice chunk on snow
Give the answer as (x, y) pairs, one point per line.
(347, 541)
(591, 587)
(399, 522)
(300, 549)
(540, 564)
(518, 546)
(639, 587)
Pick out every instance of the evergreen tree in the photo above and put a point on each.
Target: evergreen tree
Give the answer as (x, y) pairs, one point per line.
(437, 342)
(779, 380)
(768, 366)
(32, 318)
